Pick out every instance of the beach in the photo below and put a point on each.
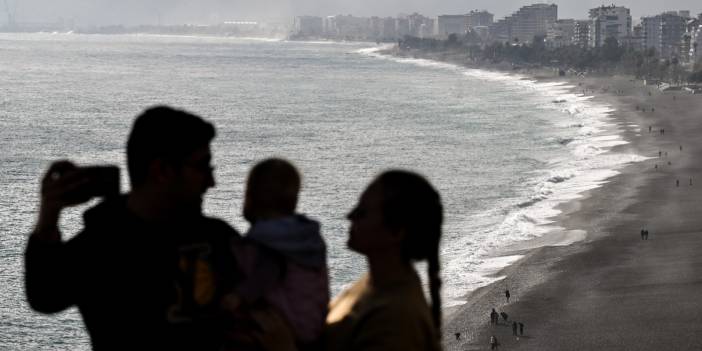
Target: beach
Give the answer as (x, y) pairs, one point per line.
(611, 290)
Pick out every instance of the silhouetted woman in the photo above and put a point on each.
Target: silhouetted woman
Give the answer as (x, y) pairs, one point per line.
(396, 222)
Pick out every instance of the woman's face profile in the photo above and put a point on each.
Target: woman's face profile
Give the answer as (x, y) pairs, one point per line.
(368, 232)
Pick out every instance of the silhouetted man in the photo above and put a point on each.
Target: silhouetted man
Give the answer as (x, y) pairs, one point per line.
(148, 269)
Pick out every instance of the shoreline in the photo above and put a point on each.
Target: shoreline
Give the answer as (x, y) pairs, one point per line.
(549, 271)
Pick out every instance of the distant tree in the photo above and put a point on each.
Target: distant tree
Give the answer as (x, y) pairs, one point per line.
(611, 51)
(452, 39)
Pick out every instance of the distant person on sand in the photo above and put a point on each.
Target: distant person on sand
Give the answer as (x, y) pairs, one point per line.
(504, 316)
(521, 329)
(507, 295)
(493, 343)
(677, 182)
(458, 336)
(514, 328)
(643, 233)
(396, 223)
(494, 317)
(646, 234)
(660, 153)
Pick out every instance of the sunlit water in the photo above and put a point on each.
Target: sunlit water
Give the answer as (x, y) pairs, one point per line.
(503, 151)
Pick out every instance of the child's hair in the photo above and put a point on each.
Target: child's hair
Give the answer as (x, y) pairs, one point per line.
(272, 187)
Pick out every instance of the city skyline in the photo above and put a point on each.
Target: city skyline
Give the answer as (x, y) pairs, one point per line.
(131, 12)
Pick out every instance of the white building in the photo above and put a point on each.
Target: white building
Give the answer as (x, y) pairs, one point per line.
(310, 26)
(479, 19)
(560, 33)
(451, 24)
(581, 33)
(665, 33)
(528, 22)
(609, 22)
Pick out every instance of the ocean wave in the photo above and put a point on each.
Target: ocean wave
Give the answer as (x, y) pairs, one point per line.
(565, 141)
(592, 135)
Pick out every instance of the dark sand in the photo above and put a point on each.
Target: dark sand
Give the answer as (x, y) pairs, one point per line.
(612, 290)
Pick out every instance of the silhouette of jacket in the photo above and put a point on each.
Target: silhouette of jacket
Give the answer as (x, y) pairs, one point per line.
(136, 284)
(285, 260)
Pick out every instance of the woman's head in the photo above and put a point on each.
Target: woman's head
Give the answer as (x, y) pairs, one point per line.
(400, 210)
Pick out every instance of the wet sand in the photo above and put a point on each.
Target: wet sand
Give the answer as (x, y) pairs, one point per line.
(612, 290)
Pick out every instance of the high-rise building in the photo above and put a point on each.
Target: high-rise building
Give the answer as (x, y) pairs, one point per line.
(609, 22)
(451, 24)
(528, 22)
(533, 20)
(666, 33)
(479, 19)
(309, 26)
(501, 30)
(637, 41)
(561, 33)
(420, 26)
(389, 30)
(694, 31)
(402, 26)
(581, 33)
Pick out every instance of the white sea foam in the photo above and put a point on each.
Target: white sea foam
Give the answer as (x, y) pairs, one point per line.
(591, 164)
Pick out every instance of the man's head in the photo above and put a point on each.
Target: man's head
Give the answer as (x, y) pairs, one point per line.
(168, 154)
(271, 190)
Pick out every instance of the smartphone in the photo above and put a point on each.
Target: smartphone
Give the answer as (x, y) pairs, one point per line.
(103, 181)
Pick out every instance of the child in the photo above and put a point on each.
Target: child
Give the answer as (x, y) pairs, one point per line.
(285, 255)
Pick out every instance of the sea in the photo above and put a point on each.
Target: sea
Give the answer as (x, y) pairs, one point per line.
(503, 150)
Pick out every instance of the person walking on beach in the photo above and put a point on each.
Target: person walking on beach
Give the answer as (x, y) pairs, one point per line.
(504, 316)
(521, 329)
(458, 336)
(493, 317)
(493, 343)
(677, 182)
(507, 295)
(514, 328)
(643, 233)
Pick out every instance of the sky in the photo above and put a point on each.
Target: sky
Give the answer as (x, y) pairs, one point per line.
(130, 12)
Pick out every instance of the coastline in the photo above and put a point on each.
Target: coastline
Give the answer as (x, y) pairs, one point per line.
(595, 284)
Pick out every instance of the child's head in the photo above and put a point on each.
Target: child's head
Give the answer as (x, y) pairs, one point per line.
(271, 190)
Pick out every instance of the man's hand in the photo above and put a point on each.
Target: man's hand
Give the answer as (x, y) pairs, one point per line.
(59, 189)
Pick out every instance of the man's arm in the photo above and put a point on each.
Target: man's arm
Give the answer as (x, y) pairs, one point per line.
(48, 267)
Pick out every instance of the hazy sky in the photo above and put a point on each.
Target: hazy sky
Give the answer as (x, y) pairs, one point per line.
(85, 12)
